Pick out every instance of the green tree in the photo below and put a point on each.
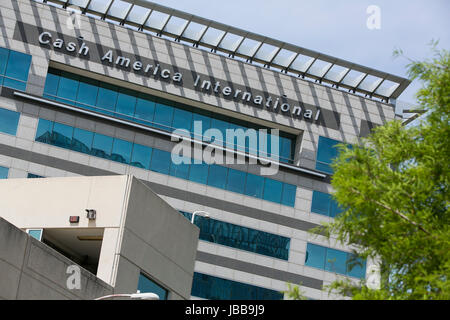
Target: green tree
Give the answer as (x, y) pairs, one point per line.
(394, 186)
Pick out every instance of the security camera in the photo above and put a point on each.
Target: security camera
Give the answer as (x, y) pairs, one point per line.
(91, 214)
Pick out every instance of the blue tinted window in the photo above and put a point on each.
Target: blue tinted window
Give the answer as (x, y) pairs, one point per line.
(82, 140)
(272, 190)
(102, 145)
(145, 110)
(163, 117)
(326, 152)
(285, 149)
(107, 97)
(9, 120)
(320, 203)
(4, 173)
(121, 151)
(205, 124)
(236, 181)
(126, 104)
(161, 161)
(44, 131)
(217, 176)
(16, 73)
(62, 135)
(87, 93)
(146, 285)
(222, 126)
(199, 173)
(336, 261)
(182, 119)
(335, 208)
(68, 88)
(36, 233)
(242, 238)
(213, 288)
(315, 256)
(180, 170)
(51, 85)
(4, 53)
(289, 192)
(141, 156)
(254, 186)
(356, 267)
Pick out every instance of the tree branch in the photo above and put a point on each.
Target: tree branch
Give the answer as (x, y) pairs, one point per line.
(401, 215)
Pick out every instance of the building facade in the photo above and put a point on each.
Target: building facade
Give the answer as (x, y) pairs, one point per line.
(97, 87)
(131, 240)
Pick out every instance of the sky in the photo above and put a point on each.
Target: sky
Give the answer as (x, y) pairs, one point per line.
(339, 28)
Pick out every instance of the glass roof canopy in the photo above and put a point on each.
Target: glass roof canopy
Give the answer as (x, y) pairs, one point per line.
(147, 16)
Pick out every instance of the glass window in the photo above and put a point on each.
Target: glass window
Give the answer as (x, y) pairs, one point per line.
(336, 261)
(17, 69)
(222, 126)
(141, 156)
(161, 161)
(199, 173)
(51, 85)
(356, 267)
(101, 146)
(254, 185)
(107, 97)
(121, 151)
(236, 181)
(320, 203)
(163, 117)
(272, 190)
(326, 152)
(217, 176)
(182, 119)
(33, 176)
(62, 135)
(289, 192)
(9, 120)
(315, 256)
(335, 208)
(285, 149)
(4, 53)
(82, 140)
(4, 173)
(44, 131)
(180, 170)
(126, 104)
(145, 110)
(87, 94)
(68, 88)
(213, 288)
(145, 285)
(35, 233)
(205, 122)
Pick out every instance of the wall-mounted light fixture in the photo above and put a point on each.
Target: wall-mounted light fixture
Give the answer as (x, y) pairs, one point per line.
(91, 214)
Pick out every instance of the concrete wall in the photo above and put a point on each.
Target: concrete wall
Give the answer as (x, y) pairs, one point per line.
(30, 270)
(158, 241)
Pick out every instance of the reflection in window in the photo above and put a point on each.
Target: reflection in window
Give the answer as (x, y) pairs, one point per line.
(324, 204)
(149, 110)
(214, 288)
(241, 237)
(327, 151)
(335, 261)
(145, 285)
(14, 69)
(122, 151)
